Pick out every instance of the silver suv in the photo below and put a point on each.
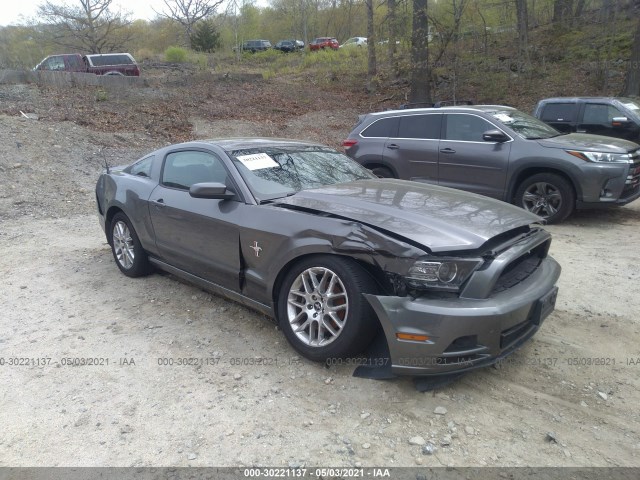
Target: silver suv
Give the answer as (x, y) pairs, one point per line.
(500, 152)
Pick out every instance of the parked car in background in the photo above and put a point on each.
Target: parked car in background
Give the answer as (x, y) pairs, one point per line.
(355, 42)
(446, 280)
(254, 46)
(611, 116)
(322, 43)
(122, 64)
(500, 152)
(289, 45)
(112, 64)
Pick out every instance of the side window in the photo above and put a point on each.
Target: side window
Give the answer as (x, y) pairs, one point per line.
(74, 61)
(599, 113)
(559, 112)
(142, 167)
(420, 126)
(54, 63)
(183, 169)
(383, 128)
(467, 128)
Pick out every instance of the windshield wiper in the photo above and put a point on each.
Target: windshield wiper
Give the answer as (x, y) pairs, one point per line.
(544, 138)
(271, 200)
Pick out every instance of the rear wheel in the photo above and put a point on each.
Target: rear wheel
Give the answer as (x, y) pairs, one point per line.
(127, 250)
(382, 172)
(322, 311)
(547, 195)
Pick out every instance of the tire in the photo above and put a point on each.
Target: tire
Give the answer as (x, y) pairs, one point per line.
(547, 195)
(382, 172)
(127, 250)
(341, 326)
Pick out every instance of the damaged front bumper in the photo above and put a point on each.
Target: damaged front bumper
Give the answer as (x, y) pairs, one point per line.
(463, 333)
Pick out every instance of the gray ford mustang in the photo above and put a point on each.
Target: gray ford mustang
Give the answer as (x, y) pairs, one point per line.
(444, 280)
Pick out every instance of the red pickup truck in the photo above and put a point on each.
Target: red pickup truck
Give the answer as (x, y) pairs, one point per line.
(101, 64)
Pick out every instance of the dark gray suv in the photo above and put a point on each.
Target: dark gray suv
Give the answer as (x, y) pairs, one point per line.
(500, 152)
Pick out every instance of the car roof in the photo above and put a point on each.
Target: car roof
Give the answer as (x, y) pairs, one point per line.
(564, 99)
(474, 108)
(241, 143)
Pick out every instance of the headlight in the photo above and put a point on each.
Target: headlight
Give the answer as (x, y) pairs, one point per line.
(601, 157)
(441, 273)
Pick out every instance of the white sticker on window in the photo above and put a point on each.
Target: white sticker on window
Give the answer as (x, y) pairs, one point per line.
(503, 117)
(631, 106)
(257, 161)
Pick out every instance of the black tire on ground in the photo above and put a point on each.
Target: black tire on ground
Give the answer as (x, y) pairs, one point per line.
(382, 172)
(344, 323)
(548, 195)
(127, 250)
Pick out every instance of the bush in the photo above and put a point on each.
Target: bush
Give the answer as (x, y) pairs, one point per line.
(175, 55)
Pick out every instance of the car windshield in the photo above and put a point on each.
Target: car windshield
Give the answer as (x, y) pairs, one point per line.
(524, 125)
(631, 104)
(276, 172)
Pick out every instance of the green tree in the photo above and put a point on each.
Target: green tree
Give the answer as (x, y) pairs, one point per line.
(206, 37)
(189, 12)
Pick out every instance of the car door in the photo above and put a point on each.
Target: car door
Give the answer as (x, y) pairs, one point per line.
(466, 161)
(197, 235)
(414, 150)
(597, 119)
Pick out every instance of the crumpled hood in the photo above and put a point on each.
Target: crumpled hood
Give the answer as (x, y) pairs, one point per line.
(589, 143)
(441, 219)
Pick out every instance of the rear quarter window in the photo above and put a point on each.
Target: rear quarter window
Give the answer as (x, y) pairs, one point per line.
(106, 60)
(383, 128)
(142, 167)
(559, 112)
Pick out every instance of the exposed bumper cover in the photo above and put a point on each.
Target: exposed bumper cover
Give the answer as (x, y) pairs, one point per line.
(465, 333)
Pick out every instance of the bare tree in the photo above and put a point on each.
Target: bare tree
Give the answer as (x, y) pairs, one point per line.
(632, 80)
(88, 25)
(523, 30)
(393, 35)
(420, 84)
(188, 12)
(371, 42)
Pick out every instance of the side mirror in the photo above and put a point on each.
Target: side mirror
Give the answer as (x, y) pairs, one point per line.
(214, 191)
(619, 121)
(495, 136)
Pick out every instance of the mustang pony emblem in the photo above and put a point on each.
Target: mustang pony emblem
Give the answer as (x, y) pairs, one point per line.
(256, 248)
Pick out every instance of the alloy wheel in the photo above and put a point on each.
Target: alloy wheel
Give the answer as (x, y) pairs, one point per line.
(317, 306)
(123, 244)
(543, 199)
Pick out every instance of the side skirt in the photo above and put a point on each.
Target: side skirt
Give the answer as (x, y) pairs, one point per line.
(213, 287)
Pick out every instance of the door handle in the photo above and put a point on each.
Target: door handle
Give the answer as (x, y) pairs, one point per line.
(159, 202)
(581, 131)
(393, 146)
(447, 150)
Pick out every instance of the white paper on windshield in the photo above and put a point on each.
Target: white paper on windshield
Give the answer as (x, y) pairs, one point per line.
(503, 117)
(257, 161)
(631, 106)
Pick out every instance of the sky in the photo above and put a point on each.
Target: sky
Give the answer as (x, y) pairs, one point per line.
(14, 12)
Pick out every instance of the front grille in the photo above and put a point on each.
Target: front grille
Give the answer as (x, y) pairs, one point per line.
(632, 183)
(512, 335)
(464, 350)
(519, 270)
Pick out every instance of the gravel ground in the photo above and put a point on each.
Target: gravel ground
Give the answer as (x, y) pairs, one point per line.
(250, 400)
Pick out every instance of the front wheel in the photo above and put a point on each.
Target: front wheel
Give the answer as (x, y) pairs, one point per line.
(127, 250)
(322, 311)
(548, 195)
